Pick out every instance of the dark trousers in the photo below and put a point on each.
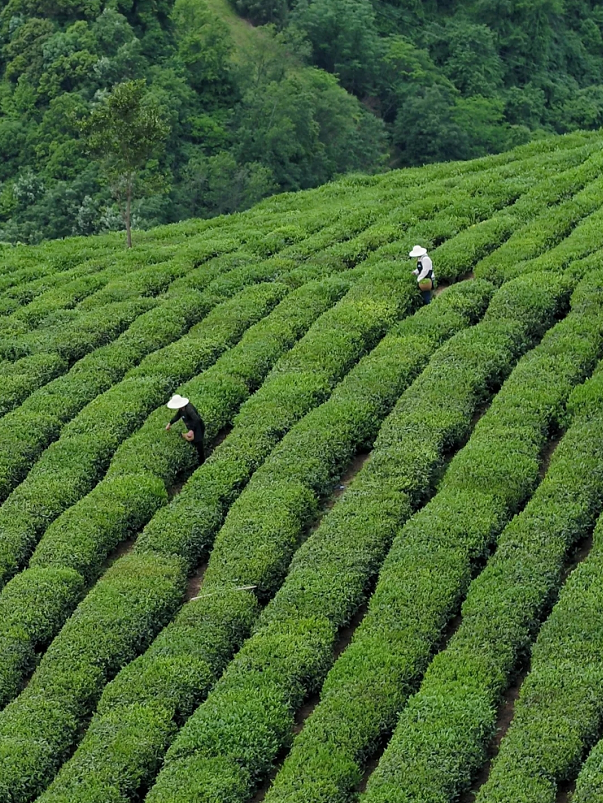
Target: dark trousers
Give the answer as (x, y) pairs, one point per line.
(426, 296)
(200, 451)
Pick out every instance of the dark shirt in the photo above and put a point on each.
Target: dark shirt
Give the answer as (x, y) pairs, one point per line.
(192, 420)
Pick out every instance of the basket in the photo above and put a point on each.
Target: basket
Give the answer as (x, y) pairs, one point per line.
(425, 284)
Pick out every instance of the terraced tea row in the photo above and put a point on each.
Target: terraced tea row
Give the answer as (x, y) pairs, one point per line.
(290, 651)
(256, 514)
(66, 559)
(292, 325)
(140, 600)
(100, 370)
(64, 343)
(399, 631)
(377, 372)
(446, 716)
(17, 462)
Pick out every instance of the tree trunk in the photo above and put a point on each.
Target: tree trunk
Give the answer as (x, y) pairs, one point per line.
(128, 212)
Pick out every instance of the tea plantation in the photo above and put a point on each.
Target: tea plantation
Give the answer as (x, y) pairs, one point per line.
(385, 583)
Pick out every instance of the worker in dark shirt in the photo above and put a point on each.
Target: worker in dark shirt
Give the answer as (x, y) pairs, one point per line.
(196, 428)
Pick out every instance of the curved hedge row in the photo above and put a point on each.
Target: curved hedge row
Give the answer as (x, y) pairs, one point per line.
(73, 335)
(26, 374)
(291, 650)
(558, 714)
(22, 377)
(460, 254)
(302, 380)
(68, 556)
(433, 213)
(456, 202)
(54, 405)
(71, 466)
(23, 284)
(69, 343)
(65, 292)
(546, 227)
(140, 592)
(31, 302)
(371, 680)
(493, 478)
(589, 784)
(454, 714)
(583, 240)
(153, 279)
(234, 737)
(577, 168)
(60, 267)
(157, 678)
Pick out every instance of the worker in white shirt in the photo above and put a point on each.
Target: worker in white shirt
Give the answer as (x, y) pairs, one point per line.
(423, 272)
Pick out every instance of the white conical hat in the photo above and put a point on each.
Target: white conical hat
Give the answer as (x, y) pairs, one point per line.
(176, 402)
(418, 251)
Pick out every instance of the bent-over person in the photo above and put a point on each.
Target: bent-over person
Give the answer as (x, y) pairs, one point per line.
(192, 420)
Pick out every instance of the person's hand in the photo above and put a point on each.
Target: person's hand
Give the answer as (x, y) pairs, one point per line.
(168, 427)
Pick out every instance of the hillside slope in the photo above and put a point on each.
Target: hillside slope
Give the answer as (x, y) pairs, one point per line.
(327, 87)
(172, 631)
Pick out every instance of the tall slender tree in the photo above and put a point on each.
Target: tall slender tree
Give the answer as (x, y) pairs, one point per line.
(125, 131)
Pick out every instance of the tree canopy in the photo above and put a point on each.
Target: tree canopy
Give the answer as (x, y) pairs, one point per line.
(124, 131)
(263, 96)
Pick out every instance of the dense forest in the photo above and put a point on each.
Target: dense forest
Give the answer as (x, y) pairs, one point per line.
(264, 96)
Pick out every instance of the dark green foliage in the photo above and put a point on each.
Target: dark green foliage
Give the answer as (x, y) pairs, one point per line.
(425, 571)
(214, 625)
(453, 715)
(125, 130)
(299, 615)
(69, 80)
(153, 457)
(314, 90)
(344, 40)
(305, 129)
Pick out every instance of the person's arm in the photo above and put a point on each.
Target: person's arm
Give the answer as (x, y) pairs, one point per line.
(177, 417)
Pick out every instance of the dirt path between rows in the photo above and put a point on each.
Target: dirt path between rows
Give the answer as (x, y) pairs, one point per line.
(503, 722)
(194, 583)
(507, 707)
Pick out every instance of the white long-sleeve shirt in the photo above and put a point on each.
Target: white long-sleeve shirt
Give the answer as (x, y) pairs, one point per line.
(426, 268)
